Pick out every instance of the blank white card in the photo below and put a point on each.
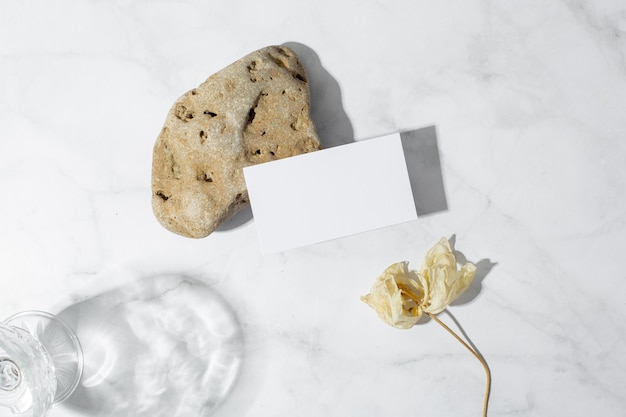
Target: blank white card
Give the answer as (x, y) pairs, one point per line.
(330, 193)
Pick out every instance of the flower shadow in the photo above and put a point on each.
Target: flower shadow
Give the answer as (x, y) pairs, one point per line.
(483, 268)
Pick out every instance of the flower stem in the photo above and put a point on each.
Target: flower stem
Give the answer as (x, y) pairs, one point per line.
(476, 355)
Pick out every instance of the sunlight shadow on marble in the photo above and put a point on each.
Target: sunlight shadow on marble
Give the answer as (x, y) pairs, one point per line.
(483, 268)
(163, 346)
(462, 331)
(240, 218)
(424, 165)
(331, 121)
(476, 352)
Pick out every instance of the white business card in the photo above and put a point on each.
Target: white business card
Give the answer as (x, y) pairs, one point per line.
(331, 193)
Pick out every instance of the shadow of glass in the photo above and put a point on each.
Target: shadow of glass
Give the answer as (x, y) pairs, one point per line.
(164, 346)
(421, 153)
(331, 121)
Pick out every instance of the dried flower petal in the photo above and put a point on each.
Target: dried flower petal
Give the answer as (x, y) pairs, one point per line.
(397, 296)
(445, 281)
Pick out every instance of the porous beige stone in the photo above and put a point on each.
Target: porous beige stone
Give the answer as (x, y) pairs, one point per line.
(255, 110)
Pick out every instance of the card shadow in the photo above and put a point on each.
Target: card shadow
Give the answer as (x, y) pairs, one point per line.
(421, 153)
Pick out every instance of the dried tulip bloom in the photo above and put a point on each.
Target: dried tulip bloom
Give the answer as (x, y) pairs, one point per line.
(397, 296)
(400, 296)
(445, 282)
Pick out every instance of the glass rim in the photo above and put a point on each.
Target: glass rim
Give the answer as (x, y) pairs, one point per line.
(75, 341)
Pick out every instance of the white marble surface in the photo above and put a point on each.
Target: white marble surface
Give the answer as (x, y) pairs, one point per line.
(523, 109)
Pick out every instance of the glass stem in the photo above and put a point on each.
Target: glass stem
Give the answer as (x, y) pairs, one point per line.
(476, 355)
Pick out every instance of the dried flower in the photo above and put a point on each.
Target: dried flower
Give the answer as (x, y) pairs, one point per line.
(400, 296)
(445, 282)
(397, 296)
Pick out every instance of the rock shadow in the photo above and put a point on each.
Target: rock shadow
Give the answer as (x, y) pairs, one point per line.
(331, 121)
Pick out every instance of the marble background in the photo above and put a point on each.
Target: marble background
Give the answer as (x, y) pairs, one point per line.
(519, 108)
